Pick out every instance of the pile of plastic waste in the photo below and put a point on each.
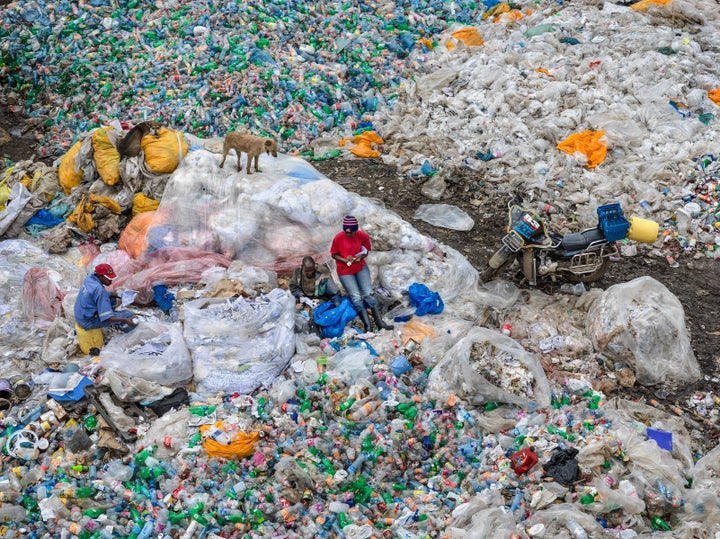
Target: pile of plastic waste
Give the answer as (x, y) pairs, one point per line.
(223, 414)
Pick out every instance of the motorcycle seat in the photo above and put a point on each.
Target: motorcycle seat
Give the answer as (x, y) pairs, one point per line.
(580, 240)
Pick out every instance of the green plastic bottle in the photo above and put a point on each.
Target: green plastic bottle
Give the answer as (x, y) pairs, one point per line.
(660, 524)
(346, 405)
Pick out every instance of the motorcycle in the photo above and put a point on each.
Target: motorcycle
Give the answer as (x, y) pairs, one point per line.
(579, 257)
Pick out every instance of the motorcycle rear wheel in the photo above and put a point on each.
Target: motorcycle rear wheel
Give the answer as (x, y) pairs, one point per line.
(590, 277)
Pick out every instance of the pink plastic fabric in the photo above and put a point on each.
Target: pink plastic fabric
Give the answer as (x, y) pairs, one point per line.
(41, 298)
(167, 266)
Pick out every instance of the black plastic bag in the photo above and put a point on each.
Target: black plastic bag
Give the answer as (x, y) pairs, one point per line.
(562, 466)
(175, 400)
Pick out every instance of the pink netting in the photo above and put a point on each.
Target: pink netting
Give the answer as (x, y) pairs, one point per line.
(41, 297)
(168, 266)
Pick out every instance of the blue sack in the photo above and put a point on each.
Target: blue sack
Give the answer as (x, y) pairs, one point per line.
(425, 300)
(332, 320)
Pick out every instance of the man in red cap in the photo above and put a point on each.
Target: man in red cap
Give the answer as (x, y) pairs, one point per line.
(93, 307)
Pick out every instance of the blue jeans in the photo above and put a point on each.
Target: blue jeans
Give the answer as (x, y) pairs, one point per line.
(96, 323)
(359, 287)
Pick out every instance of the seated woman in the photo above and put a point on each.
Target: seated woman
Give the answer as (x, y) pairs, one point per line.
(350, 248)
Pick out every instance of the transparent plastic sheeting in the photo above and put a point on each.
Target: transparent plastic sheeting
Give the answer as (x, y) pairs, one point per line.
(272, 219)
(643, 323)
(455, 373)
(17, 334)
(154, 351)
(239, 344)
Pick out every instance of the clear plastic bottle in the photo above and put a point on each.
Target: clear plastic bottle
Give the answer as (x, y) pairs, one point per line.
(12, 513)
(576, 530)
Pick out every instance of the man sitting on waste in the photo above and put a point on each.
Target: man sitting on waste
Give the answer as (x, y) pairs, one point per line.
(312, 284)
(93, 307)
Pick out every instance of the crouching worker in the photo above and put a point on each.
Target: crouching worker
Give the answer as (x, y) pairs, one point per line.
(312, 282)
(94, 304)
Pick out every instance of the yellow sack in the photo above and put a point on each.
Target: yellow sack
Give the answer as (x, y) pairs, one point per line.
(714, 95)
(589, 143)
(5, 189)
(70, 176)
(469, 36)
(89, 338)
(82, 217)
(242, 445)
(164, 153)
(644, 4)
(107, 158)
(497, 9)
(108, 202)
(141, 204)
(364, 143)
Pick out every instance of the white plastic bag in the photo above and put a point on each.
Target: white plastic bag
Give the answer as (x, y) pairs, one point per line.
(242, 344)
(643, 324)
(455, 374)
(154, 351)
(445, 216)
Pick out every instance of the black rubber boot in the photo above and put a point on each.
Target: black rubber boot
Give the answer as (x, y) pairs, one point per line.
(379, 321)
(365, 319)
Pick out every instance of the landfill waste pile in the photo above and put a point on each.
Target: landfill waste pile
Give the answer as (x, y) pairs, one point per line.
(486, 411)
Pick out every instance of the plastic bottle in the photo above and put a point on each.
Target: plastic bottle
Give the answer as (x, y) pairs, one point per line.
(660, 524)
(191, 529)
(147, 530)
(12, 513)
(465, 416)
(576, 530)
(516, 501)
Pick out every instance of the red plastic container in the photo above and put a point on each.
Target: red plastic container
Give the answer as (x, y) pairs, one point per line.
(523, 460)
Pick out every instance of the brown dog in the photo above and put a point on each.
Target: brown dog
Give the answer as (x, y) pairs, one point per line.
(250, 144)
(129, 146)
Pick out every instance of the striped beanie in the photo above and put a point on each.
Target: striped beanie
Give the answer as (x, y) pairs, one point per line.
(350, 223)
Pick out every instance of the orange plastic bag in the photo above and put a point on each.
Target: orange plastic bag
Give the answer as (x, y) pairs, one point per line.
(70, 175)
(644, 4)
(714, 95)
(416, 331)
(107, 158)
(164, 152)
(141, 204)
(241, 446)
(364, 143)
(469, 36)
(133, 239)
(589, 143)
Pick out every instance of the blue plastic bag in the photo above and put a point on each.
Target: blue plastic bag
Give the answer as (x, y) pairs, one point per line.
(332, 320)
(425, 300)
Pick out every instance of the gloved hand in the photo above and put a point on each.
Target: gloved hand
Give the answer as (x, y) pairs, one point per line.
(312, 303)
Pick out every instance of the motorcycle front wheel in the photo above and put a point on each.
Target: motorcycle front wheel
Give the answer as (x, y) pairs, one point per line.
(590, 277)
(502, 258)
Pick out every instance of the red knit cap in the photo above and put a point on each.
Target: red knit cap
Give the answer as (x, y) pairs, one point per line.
(350, 223)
